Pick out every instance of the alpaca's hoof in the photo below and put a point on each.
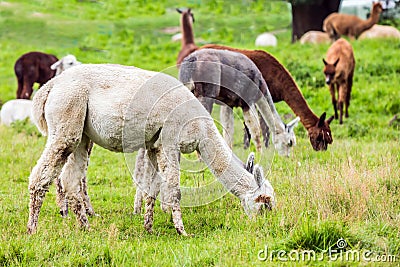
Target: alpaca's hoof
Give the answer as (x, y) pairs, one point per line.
(30, 230)
(64, 213)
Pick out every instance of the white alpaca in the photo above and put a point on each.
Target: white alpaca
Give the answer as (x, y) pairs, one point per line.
(65, 63)
(124, 109)
(380, 31)
(266, 39)
(14, 110)
(315, 37)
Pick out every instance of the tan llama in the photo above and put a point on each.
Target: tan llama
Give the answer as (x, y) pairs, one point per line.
(339, 70)
(350, 25)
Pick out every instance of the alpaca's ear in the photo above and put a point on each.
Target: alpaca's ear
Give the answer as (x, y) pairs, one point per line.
(325, 63)
(250, 163)
(336, 62)
(321, 121)
(179, 11)
(55, 65)
(189, 9)
(330, 120)
(293, 124)
(258, 175)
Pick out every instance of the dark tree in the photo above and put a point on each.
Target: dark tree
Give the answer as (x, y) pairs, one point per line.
(309, 15)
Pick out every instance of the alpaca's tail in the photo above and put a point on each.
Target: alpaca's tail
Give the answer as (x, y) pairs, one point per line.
(39, 102)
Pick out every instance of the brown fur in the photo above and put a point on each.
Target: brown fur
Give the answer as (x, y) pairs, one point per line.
(380, 31)
(30, 68)
(352, 26)
(187, 43)
(283, 88)
(339, 70)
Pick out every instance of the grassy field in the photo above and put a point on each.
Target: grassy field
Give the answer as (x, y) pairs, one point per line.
(350, 193)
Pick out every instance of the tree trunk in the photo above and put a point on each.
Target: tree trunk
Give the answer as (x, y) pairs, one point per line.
(310, 16)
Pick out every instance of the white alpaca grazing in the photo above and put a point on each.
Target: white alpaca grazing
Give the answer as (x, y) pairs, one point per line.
(124, 109)
(266, 39)
(14, 110)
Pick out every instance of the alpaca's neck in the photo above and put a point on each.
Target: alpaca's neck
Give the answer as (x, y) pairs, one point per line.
(371, 21)
(268, 111)
(187, 30)
(296, 101)
(225, 165)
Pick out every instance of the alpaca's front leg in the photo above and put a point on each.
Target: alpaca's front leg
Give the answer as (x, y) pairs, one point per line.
(251, 119)
(226, 116)
(139, 180)
(168, 162)
(333, 95)
(341, 99)
(151, 185)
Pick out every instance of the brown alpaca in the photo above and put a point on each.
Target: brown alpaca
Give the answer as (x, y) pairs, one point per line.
(352, 26)
(282, 87)
(187, 43)
(339, 70)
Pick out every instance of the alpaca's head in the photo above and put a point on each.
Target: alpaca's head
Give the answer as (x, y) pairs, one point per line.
(284, 141)
(330, 71)
(263, 197)
(320, 134)
(65, 63)
(377, 8)
(187, 15)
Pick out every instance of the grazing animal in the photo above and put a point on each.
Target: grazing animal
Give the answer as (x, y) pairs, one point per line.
(339, 70)
(14, 110)
(380, 31)
(315, 37)
(38, 67)
(124, 109)
(187, 41)
(216, 76)
(282, 87)
(350, 25)
(266, 39)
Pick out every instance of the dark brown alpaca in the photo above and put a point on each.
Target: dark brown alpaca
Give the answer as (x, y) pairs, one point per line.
(339, 70)
(352, 26)
(187, 43)
(33, 67)
(283, 88)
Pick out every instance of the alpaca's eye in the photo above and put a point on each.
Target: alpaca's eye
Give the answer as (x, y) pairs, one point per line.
(290, 143)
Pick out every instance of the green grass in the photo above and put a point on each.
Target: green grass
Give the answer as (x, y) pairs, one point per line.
(351, 191)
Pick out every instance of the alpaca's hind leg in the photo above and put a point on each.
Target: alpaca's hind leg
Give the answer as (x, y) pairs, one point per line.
(61, 199)
(139, 180)
(226, 116)
(348, 95)
(73, 180)
(168, 162)
(264, 130)
(246, 137)
(152, 187)
(48, 168)
(251, 119)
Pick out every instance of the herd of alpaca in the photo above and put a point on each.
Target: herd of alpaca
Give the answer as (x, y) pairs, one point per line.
(337, 24)
(161, 117)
